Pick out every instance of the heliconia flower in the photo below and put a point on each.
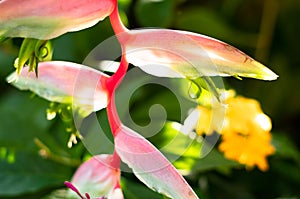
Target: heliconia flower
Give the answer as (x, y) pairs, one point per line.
(66, 82)
(174, 53)
(48, 19)
(166, 53)
(97, 178)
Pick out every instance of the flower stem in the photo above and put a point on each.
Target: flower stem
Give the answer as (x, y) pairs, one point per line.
(118, 28)
(112, 84)
(116, 22)
(115, 79)
(268, 22)
(47, 153)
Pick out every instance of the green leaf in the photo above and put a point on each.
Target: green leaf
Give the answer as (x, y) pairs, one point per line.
(285, 147)
(30, 173)
(22, 119)
(196, 19)
(23, 170)
(135, 190)
(163, 9)
(2, 39)
(57, 194)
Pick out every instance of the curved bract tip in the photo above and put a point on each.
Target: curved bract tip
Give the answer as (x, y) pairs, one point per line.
(174, 53)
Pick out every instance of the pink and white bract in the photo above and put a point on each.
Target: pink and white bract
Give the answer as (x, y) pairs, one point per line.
(150, 166)
(174, 53)
(48, 19)
(66, 82)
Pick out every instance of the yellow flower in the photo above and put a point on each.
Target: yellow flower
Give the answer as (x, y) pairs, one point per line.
(246, 129)
(246, 133)
(204, 121)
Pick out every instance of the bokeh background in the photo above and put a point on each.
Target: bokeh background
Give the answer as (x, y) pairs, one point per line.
(267, 30)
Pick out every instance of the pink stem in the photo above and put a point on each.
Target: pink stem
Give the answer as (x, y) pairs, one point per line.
(116, 22)
(120, 30)
(112, 84)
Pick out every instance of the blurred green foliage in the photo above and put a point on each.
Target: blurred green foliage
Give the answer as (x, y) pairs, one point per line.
(265, 29)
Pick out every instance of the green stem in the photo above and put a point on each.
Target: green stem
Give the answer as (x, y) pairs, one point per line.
(47, 153)
(267, 26)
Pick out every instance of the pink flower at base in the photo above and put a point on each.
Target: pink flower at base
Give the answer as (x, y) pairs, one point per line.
(48, 19)
(97, 178)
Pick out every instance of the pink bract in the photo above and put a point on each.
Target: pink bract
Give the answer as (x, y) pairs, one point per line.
(150, 165)
(174, 53)
(66, 82)
(48, 19)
